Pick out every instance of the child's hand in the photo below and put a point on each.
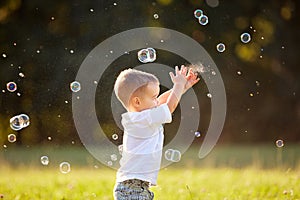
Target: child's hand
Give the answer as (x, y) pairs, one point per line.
(180, 77)
(192, 79)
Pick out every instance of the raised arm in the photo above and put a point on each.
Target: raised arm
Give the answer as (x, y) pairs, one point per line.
(191, 78)
(179, 81)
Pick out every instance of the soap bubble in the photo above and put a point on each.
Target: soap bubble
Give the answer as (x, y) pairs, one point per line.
(120, 148)
(44, 160)
(155, 16)
(279, 143)
(209, 95)
(11, 86)
(220, 47)
(113, 157)
(172, 155)
(197, 134)
(19, 121)
(65, 167)
(12, 138)
(75, 86)
(114, 136)
(245, 37)
(198, 13)
(147, 55)
(203, 20)
(109, 163)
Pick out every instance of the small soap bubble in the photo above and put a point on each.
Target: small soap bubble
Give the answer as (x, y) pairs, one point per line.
(251, 94)
(44, 160)
(115, 4)
(114, 136)
(198, 13)
(65, 167)
(245, 37)
(113, 157)
(161, 41)
(239, 72)
(120, 148)
(220, 47)
(4, 55)
(213, 73)
(152, 54)
(49, 138)
(91, 10)
(38, 51)
(21, 75)
(257, 83)
(155, 16)
(111, 51)
(71, 51)
(197, 134)
(209, 95)
(11, 86)
(109, 163)
(52, 18)
(66, 101)
(203, 20)
(172, 155)
(18, 94)
(75, 86)
(12, 138)
(279, 143)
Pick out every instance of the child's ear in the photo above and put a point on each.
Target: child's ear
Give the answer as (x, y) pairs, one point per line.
(136, 101)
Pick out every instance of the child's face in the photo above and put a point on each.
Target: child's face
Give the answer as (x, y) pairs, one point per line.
(149, 98)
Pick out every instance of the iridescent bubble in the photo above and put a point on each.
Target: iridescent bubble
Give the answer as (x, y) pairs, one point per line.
(147, 55)
(152, 54)
(203, 20)
(279, 143)
(11, 86)
(24, 119)
(143, 56)
(198, 13)
(114, 136)
(44, 160)
(75, 86)
(245, 37)
(197, 134)
(15, 123)
(12, 138)
(172, 155)
(220, 47)
(65, 167)
(113, 157)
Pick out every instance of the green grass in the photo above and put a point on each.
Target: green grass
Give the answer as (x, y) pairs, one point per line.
(261, 172)
(178, 184)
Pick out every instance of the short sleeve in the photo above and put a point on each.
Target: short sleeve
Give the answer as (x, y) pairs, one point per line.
(160, 115)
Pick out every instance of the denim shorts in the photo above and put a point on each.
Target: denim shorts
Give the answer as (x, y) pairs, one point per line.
(133, 189)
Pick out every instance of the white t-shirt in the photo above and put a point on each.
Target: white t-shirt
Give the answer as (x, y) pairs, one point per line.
(143, 143)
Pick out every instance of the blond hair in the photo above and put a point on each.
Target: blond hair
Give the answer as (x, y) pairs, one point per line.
(129, 81)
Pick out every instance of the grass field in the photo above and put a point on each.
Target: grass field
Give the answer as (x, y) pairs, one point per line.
(239, 174)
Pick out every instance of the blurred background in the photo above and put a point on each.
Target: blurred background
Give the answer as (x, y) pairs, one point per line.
(43, 43)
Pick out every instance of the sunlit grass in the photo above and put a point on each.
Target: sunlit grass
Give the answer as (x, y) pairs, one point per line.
(174, 183)
(259, 172)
